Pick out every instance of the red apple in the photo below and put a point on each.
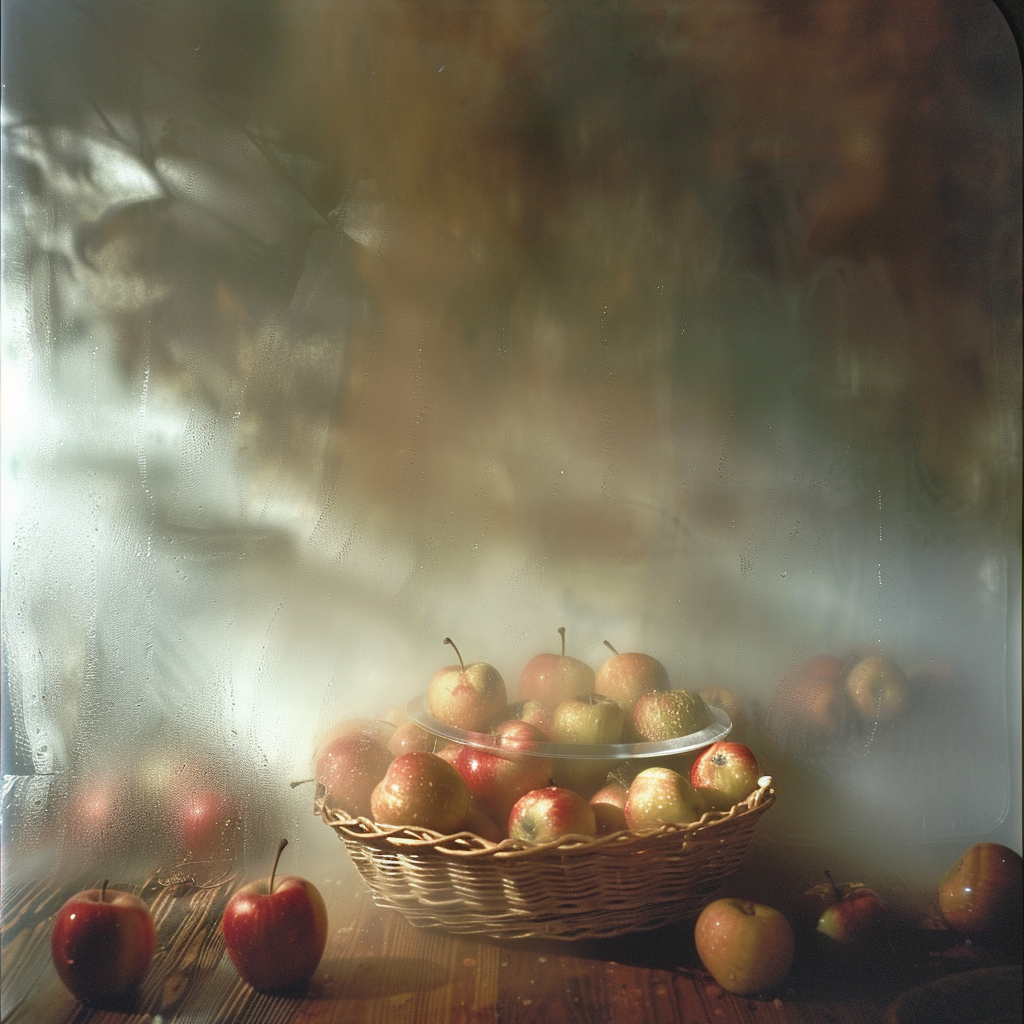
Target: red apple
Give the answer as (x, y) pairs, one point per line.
(980, 894)
(724, 774)
(349, 768)
(810, 703)
(102, 942)
(625, 678)
(421, 789)
(552, 678)
(409, 736)
(609, 804)
(847, 912)
(587, 718)
(536, 712)
(661, 796)
(878, 690)
(544, 815)
(470, 697)
(497, 781)
(661, 715)
(380, 729)
(276, 932)
(203, 820)
(746, 947)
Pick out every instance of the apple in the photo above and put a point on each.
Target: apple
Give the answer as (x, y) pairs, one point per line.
(204, 820)
(102, 943)
(465, 697)
(810, 703)
(746, 947)
(409, 736)
(724, 774)
(99, 807)
(519, 735)
(609, 804)
(878, 690)
(625, 678)
(379, 729)
(421, 789)
(583, 775)
(664, 715)
(980, 893)
(544, 815)
(849, 913)
(587, 718)
(496, 781)
(661, 796)
(276, 932)
(536, 712)
(552, 678)
(482, 825)
(349, 768)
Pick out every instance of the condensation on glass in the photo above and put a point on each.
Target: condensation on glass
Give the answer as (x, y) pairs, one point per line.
(332, 330)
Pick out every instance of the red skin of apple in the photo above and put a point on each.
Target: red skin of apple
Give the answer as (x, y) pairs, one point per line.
(98, 809)
(660, 796)
(849, 913)
(980, 894)
(275, 932)
(409, 736)
(537, 713)
(102, 943)
(497, 782)
(746, 947)
(552, 678)
(625, 678)
(349, 768)
(518, 735)
(724, 774)
(204, 820)
(468, 697)
(421, 789)
(544, 815)
(609, 804)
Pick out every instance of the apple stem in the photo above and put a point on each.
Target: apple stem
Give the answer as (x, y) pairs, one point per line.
(103, 890)
(610, 648)
(273, 871)
(832, 882)
(448, 640)
(301, 782)
(561, 631)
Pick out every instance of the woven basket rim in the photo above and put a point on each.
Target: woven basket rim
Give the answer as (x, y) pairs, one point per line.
(467, 845)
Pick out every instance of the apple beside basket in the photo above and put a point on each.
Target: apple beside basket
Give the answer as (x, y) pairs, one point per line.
(568, 889)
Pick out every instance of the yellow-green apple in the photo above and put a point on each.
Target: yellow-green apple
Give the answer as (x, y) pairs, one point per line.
(497, 780)
(661, 796)
(609, 804)
(746, 947)
(409, 736)
(275, 930)
(664, 715)
(980, 893)
(552, 678)
(849, 913)
(810, 702)
(724, 774)
(102, 942)
(348, 768)
(625, 678)
(587, 718)
(544, 815)
(468, 697)
(877, 689)
(421, 789)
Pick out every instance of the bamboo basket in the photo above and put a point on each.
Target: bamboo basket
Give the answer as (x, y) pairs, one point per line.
(575, 888)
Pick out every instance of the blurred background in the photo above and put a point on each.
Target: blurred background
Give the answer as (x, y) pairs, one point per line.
(334, 329)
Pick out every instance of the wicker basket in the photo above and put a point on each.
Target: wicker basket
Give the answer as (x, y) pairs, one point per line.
(571, 889)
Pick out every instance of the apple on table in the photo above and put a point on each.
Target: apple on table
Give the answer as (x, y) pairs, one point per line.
(468, 697)
(552, 678)
(275, 930)
(979, 895)
(849, 914)
(102, 943)
(747, 947)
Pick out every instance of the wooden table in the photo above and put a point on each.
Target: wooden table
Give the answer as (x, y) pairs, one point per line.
(378, 968)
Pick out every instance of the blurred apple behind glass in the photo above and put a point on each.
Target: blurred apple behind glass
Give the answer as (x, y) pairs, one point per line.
(338, 331)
